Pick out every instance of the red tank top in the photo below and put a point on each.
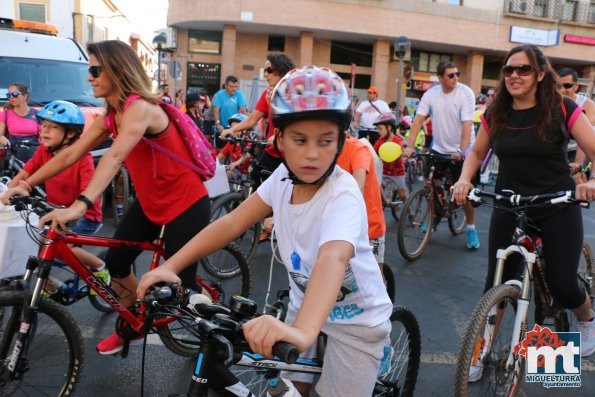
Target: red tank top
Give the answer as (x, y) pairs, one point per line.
(164, 187)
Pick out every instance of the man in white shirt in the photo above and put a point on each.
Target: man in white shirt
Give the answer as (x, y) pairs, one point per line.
(451, 105)
(366, 114)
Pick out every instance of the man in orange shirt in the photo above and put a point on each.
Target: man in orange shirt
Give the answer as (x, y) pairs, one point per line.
(357, 159)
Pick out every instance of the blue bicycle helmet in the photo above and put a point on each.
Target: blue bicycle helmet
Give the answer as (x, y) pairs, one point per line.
(237, 118)
(67, 114)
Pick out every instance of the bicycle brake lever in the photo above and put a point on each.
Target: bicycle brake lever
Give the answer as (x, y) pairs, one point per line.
(228, 346)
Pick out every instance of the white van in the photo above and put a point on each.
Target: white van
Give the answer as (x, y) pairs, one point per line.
(51, 67)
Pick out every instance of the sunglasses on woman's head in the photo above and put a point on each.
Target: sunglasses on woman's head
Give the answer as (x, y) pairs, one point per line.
(95, 71)
(13, 94)
(567, 85)
(452, 75)
(521, 70)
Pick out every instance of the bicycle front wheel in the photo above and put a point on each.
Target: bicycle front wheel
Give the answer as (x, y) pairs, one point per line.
(175, 336)
(486, 342)
(415, 225)
(405, 340)
(586, 280)
(53, 353)
(247, 241)
(456, 218)
(121, 197)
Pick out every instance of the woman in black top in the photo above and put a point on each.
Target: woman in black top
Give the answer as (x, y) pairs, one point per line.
(193, 109)
(525, 127)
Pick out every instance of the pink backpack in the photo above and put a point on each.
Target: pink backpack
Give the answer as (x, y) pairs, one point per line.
(201, 151)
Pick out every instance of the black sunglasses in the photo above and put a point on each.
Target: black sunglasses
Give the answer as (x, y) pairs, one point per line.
(490, 95)
(13, 94)
(567, 85)
(269, 70)
(521, 70)
(95, 71)
(452, 75)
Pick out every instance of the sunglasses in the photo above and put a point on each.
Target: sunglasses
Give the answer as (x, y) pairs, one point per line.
(269, 70)
(452, 75)
(13, 94)
(567, 85)
(95, 71)
(490, 95)
(521, 70)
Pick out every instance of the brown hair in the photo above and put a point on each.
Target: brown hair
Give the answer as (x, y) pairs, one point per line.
(123, 67)
(23, 89)
(547, 95)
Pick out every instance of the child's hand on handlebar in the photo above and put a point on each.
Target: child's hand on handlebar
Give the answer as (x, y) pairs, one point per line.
(18, 190)
(155, 276)
(264, 331)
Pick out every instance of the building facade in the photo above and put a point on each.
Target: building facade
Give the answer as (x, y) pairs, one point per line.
(218, 38)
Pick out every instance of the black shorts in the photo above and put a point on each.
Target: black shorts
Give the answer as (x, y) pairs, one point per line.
(441, 166)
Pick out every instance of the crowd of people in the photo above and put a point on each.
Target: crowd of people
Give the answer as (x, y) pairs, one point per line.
(318, 173)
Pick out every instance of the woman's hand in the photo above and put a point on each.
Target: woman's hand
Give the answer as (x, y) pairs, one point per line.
(160, 274)
(585, 191)
(18, 190)
(460, 190)
(264, 331)
(4, 141)
(59, 218)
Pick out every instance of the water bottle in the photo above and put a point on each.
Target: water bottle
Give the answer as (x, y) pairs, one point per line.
(279, 387)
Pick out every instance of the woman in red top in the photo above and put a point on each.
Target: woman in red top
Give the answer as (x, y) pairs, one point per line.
(275, 67)
(167, 193)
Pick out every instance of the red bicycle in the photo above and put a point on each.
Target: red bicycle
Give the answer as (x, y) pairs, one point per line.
(41, 345)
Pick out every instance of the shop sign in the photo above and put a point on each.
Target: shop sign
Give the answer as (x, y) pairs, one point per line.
(570, 38)
(522, 35)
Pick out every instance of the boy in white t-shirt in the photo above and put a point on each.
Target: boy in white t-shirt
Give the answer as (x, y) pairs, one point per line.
(321, 227)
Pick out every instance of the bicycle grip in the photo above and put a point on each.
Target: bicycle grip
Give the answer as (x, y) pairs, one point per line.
(287, 352)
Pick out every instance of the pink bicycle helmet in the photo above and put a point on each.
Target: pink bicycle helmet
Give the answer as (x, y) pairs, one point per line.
(386, 119)
(407, 121)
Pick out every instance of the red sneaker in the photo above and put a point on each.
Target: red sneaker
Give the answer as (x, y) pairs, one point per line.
(114, 344)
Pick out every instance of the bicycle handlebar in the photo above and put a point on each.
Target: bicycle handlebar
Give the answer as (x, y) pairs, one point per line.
(235, 139)
(509, 197)
(435, 156)
(38, 204)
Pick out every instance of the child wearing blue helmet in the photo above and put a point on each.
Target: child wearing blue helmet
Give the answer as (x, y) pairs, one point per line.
(61, 124)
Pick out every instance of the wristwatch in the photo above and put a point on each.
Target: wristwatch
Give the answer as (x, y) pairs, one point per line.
(460, 151)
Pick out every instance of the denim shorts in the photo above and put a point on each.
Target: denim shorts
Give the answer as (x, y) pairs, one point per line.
(86, 226)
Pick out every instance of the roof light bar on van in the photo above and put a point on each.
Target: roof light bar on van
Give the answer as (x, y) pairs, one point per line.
(30, 26)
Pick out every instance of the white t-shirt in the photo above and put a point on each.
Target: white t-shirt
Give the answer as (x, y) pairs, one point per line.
(448, 112)
(369, 114)
(336, 212)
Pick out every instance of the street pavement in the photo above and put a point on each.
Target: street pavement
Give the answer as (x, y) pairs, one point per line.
(441, 288)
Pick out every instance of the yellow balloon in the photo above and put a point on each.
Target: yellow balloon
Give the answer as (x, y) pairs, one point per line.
(390, 151)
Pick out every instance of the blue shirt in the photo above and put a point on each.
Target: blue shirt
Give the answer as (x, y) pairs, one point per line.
(228, 105)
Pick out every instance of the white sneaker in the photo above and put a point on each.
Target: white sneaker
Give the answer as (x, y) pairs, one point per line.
(587, 330)
(475, 371)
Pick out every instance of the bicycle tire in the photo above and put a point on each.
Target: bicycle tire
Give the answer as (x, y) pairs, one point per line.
(99, 304)
(410, 177)
(247, 241)
(495, 379)
(48, 352)
(457, 220)
(405, 338)
(394, 210)
(120, 201)
(175, 335)
(389, 282)
(415, 226)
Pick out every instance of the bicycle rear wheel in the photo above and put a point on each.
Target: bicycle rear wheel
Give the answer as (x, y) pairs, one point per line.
(415, 225)
(394, 209)
(121, 195)
(175, 336)
(456, 218)
(491, 346)
(247, 241)
(53, 354)
(405, 339)
(389, 282)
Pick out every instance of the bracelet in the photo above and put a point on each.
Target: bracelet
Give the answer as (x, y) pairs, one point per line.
(26, 184)
(85, 200)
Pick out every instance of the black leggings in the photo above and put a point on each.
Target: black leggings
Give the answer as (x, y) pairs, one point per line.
(135, 226)
(562, 235)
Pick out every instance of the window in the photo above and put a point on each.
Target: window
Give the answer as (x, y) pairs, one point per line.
(455, 2)
(343, 53)
(32, 12)
(362, 81)
(427, 62)
(540, 8)
(517, 6)
(204, 41)
(592, 12)
(569, 10)
(276, 43)
(204, 77)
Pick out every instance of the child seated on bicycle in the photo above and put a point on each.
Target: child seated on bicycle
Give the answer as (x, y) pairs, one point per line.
(393, 173)
(238, 168)
(322, 230)
(61, 124)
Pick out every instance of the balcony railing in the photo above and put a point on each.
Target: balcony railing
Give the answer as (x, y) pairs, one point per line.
(578, 11)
